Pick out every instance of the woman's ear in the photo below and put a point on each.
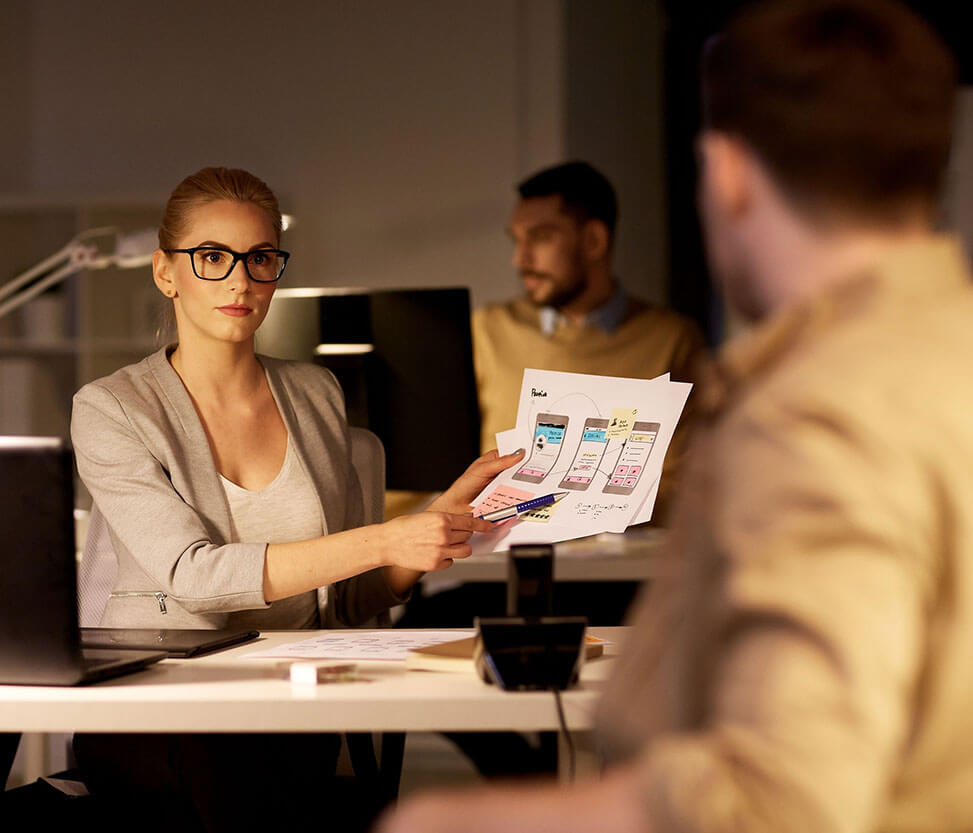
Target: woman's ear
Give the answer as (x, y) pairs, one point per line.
(161, 275)
(595, 240)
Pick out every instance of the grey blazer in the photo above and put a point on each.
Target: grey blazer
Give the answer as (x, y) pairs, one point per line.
(144, 456)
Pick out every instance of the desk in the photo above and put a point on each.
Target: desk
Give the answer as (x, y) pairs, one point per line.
(632, 556)
(227, 692)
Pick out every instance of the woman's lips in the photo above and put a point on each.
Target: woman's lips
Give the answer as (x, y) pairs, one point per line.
(235, 309)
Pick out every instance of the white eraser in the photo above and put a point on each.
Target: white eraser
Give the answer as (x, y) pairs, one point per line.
(312, 673)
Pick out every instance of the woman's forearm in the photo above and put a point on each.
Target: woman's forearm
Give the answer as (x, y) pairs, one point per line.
(407, 547)
(300, 566)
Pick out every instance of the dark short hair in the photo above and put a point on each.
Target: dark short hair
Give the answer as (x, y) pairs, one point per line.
(849, 103)
(586, 194)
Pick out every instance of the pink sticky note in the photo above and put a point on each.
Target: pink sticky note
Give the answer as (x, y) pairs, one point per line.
(500, 498)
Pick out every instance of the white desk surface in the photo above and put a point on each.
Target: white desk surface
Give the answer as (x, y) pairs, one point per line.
(632, 556)
(227, 692)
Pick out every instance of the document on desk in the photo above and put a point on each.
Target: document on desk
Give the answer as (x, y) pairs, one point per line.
(601, 439)
(389, 644)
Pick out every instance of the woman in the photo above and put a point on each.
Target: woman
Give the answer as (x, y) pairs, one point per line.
(229, 498)
(225, 478)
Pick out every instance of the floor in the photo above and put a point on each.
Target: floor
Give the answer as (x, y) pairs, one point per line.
(432, 761)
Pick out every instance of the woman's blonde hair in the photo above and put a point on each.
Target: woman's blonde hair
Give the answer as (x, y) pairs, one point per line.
(211, 185)
(206, 186)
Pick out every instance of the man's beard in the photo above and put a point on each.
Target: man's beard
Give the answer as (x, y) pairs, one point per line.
(561, 296)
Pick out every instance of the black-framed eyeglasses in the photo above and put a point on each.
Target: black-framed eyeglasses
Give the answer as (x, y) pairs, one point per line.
(212, 263)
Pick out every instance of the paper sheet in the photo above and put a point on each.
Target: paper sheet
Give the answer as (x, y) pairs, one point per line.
(393, 645)
(602, 439)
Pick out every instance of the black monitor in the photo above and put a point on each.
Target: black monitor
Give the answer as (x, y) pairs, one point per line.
(404, 358)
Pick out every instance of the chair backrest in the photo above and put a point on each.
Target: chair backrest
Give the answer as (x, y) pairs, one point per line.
(96, 573)
(368, 458)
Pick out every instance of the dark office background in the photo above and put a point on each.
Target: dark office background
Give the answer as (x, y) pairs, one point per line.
(687, 26)
(394, 131)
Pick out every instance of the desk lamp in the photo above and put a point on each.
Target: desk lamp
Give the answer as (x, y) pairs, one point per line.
(87, 250)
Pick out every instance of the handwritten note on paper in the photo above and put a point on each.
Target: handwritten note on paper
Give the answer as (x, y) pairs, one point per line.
(592, 511)
(620, 423)
(500, 498)
(360, 645)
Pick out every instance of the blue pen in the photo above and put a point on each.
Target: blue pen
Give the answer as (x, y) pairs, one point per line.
(518, 508)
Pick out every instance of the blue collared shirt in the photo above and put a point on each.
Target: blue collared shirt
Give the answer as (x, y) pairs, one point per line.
(607, 317)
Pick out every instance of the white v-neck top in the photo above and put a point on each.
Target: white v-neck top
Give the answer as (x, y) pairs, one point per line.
(286, 509)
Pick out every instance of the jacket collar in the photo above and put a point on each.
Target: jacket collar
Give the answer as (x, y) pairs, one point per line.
(913, 271)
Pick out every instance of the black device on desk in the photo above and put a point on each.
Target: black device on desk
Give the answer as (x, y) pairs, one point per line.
(528, 649)
(404, 358)
(40, 642)
(175, 642)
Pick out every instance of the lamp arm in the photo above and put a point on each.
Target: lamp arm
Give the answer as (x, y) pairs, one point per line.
(77, 254)
(45, 265)
(36, 289)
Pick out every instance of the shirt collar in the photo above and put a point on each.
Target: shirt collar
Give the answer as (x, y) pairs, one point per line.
(608, 317)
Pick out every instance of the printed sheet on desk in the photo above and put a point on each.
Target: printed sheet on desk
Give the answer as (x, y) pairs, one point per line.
(601, 439)
(386, 644)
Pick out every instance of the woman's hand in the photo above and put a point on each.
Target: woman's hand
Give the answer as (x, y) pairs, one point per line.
(470, 483)
(428, 541)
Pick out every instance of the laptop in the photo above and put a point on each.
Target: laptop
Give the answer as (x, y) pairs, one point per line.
(40, 641)
(176, 642)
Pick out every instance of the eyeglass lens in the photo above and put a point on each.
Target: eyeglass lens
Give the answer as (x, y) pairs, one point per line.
(215, 264)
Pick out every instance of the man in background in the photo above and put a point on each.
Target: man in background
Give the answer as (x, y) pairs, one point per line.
(806, 665)
(574, 314)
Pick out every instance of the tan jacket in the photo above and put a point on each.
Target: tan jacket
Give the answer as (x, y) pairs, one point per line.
(808, 664)
(144, 456)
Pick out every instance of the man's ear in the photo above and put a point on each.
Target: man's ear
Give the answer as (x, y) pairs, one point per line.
(595, 240)
(160, 273)
(727, 172)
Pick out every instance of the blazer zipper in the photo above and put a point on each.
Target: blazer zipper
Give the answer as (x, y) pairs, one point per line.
(159, 596)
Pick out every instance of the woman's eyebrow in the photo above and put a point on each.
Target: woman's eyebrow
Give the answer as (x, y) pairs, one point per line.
(215, 244)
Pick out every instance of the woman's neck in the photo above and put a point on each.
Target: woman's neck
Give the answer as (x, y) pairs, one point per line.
(217, 371)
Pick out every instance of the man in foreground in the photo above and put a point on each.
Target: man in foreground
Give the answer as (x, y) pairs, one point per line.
(806, 667)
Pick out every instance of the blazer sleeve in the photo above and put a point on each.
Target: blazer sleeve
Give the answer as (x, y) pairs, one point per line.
(179, 550)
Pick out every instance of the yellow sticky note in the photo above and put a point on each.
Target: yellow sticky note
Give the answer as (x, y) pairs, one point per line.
(540, 515)
(620, 423)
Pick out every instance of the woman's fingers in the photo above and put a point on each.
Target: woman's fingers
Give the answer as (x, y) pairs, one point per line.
(462, 527)
(492, 463)
(472, 481)
(428, 540)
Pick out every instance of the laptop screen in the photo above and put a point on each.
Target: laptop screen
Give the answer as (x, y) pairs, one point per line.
(39, 638)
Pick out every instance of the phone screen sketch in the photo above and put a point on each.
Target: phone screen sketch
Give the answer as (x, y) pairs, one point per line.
(594, 441)
(632, 459)
(549, 431)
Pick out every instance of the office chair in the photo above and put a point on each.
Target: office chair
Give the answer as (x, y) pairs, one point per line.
(382, 771)
(96, 577)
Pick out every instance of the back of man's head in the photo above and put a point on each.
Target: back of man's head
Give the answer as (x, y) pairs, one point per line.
(586, 194)
(848, 103)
